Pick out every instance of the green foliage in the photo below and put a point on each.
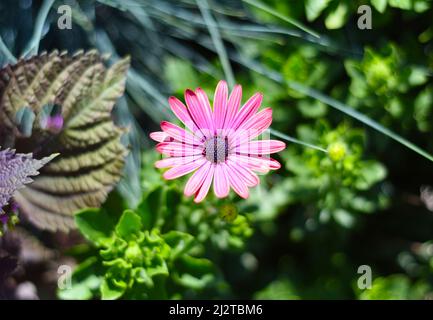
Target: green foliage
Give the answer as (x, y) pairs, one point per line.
(156, 250)
(134, 262)
(307, 227)
(338, 183)
(278, 290)
(302, 66)
(382, 79)
(225, 224)
(213, 225)
(415, 5)
(180, 75)
(395, 287)
(335, 14)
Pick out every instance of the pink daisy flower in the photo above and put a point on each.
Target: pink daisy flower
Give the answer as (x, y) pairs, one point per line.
(219, 145)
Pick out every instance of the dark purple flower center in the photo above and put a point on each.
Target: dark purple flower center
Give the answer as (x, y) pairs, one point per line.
(216, 149)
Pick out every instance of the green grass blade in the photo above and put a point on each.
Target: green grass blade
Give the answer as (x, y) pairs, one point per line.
(358, 116)
(216, 39)
(33, 45)
(271, 11)
(10, 58)
(137, 84)
(294, 140)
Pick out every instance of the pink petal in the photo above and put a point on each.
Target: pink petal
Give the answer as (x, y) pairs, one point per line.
(221, 184)
(262, 164)
(260, 147)
(177, 149)
(182, 170)
(250, 178)
(181, 111)
(179, 134)
(175, 161)
(206, 108)
(233, 105)
(198, 112)
(252, 128)
(204, 189)
(248, 110)
(195, 182)
(220, 104)
(160, 136)
(261, 120)
(237, 182)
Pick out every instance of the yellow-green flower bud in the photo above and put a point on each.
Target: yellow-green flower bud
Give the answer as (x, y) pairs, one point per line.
(228, 212)
(337, 151)
(133, 253)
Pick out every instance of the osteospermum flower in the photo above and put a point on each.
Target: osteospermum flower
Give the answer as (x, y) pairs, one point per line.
(219, 144)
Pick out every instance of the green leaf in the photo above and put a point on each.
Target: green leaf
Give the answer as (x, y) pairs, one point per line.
(149, 207)
(380, 5)
(312, 109)
(313, 8)
(402, 4)
(195, 273)
(170, 201)
(371, 172)
(421, 5)
(95, 224)
(344, 218)
(282, 289)
(140, 275)
(157, 268)
(180, 243)
(77, 292)
(362, 204)
(180, 75)
(394, 287)
(190, 281)
(156, 206)
(129, 223)
(86, 280)
(81, 291)
(337, 18)
(423, 106)
(417, 76)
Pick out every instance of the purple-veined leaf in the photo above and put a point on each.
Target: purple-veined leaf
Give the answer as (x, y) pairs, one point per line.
(16, 170)
(91, 155)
